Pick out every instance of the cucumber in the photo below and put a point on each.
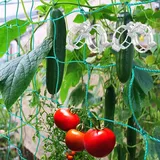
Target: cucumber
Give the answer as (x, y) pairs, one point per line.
(131, 139)
(124, 58)
(110, 101)
(122, 152)
(54, 68)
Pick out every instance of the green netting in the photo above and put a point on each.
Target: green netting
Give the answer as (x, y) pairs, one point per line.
(55, 100)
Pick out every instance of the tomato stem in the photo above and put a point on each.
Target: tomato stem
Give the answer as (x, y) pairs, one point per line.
(95, 121)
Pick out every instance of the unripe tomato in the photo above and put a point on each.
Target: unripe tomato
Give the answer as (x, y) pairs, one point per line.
(65, 119)
(74, 140)
(99, 143)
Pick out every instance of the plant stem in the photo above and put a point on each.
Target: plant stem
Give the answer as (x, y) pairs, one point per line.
(39, 25)
(14, 129)
(45, 3)
(19, 43)
(30, 21)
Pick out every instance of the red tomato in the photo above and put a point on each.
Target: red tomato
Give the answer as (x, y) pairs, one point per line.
(69, 157)
(67, 154)
(74, 140)
(99, 143)
(66, 120)
(72, 153)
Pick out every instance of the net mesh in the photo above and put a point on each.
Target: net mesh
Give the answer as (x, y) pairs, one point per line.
(33, 121)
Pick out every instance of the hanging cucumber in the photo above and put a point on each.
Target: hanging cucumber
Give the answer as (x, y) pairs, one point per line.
(110, 101)
(124, 58)
(122, 152)
(131, 139)
(55, 64)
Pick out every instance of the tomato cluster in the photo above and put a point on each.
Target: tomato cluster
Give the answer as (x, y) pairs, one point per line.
(97, 142)
(70, 155)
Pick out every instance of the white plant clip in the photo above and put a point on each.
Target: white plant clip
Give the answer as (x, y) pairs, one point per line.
(97, 42)
(138, 34)
(77, 35)
(142, 37)
(116, 44)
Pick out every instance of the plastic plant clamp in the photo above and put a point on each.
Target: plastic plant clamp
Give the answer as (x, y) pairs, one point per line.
(142, 37)
(95, 37)
(116, 45)
(77, 35)
(97, 42)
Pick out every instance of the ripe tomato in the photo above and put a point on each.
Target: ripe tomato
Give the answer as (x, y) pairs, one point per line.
(72, 153)
(74, 140)
(99, 143)
(69, 157)
(66, 120)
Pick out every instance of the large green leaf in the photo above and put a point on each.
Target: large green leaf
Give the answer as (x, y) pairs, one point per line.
(69, 5)
(137, 97)
(10, 31)
(143, 80)
(92, 100)
(70, 80)
(141, 14)
(16, 74)
(77, 95)
(79, 18)
(106, 13)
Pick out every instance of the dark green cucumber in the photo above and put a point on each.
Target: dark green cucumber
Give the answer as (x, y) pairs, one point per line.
(131, 139)
(122, 152)
(55, 65)
(124, 58)
(110, 101)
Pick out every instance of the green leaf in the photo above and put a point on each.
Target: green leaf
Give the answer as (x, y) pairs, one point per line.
(92, 100)
(68, 6)
(156, 14)
(109, 17)
(42, 8)
(77, 95)
(150, 59)
(16, 74)
(79, 18)
(143, 80)
(137, 97)
(152, 151)
(10, 31)
(140, 14)
(119, 134)
(123, 114)
(124, 1)
(103, 14)
(156, 134)
(70, 80)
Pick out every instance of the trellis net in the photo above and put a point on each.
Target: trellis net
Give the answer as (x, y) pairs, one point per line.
(36, 98)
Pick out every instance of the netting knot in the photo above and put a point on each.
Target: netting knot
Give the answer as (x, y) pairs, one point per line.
(85, 62)
(143, 132)
(82, 11)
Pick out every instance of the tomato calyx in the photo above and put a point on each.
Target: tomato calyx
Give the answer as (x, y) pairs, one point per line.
(72, 109)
